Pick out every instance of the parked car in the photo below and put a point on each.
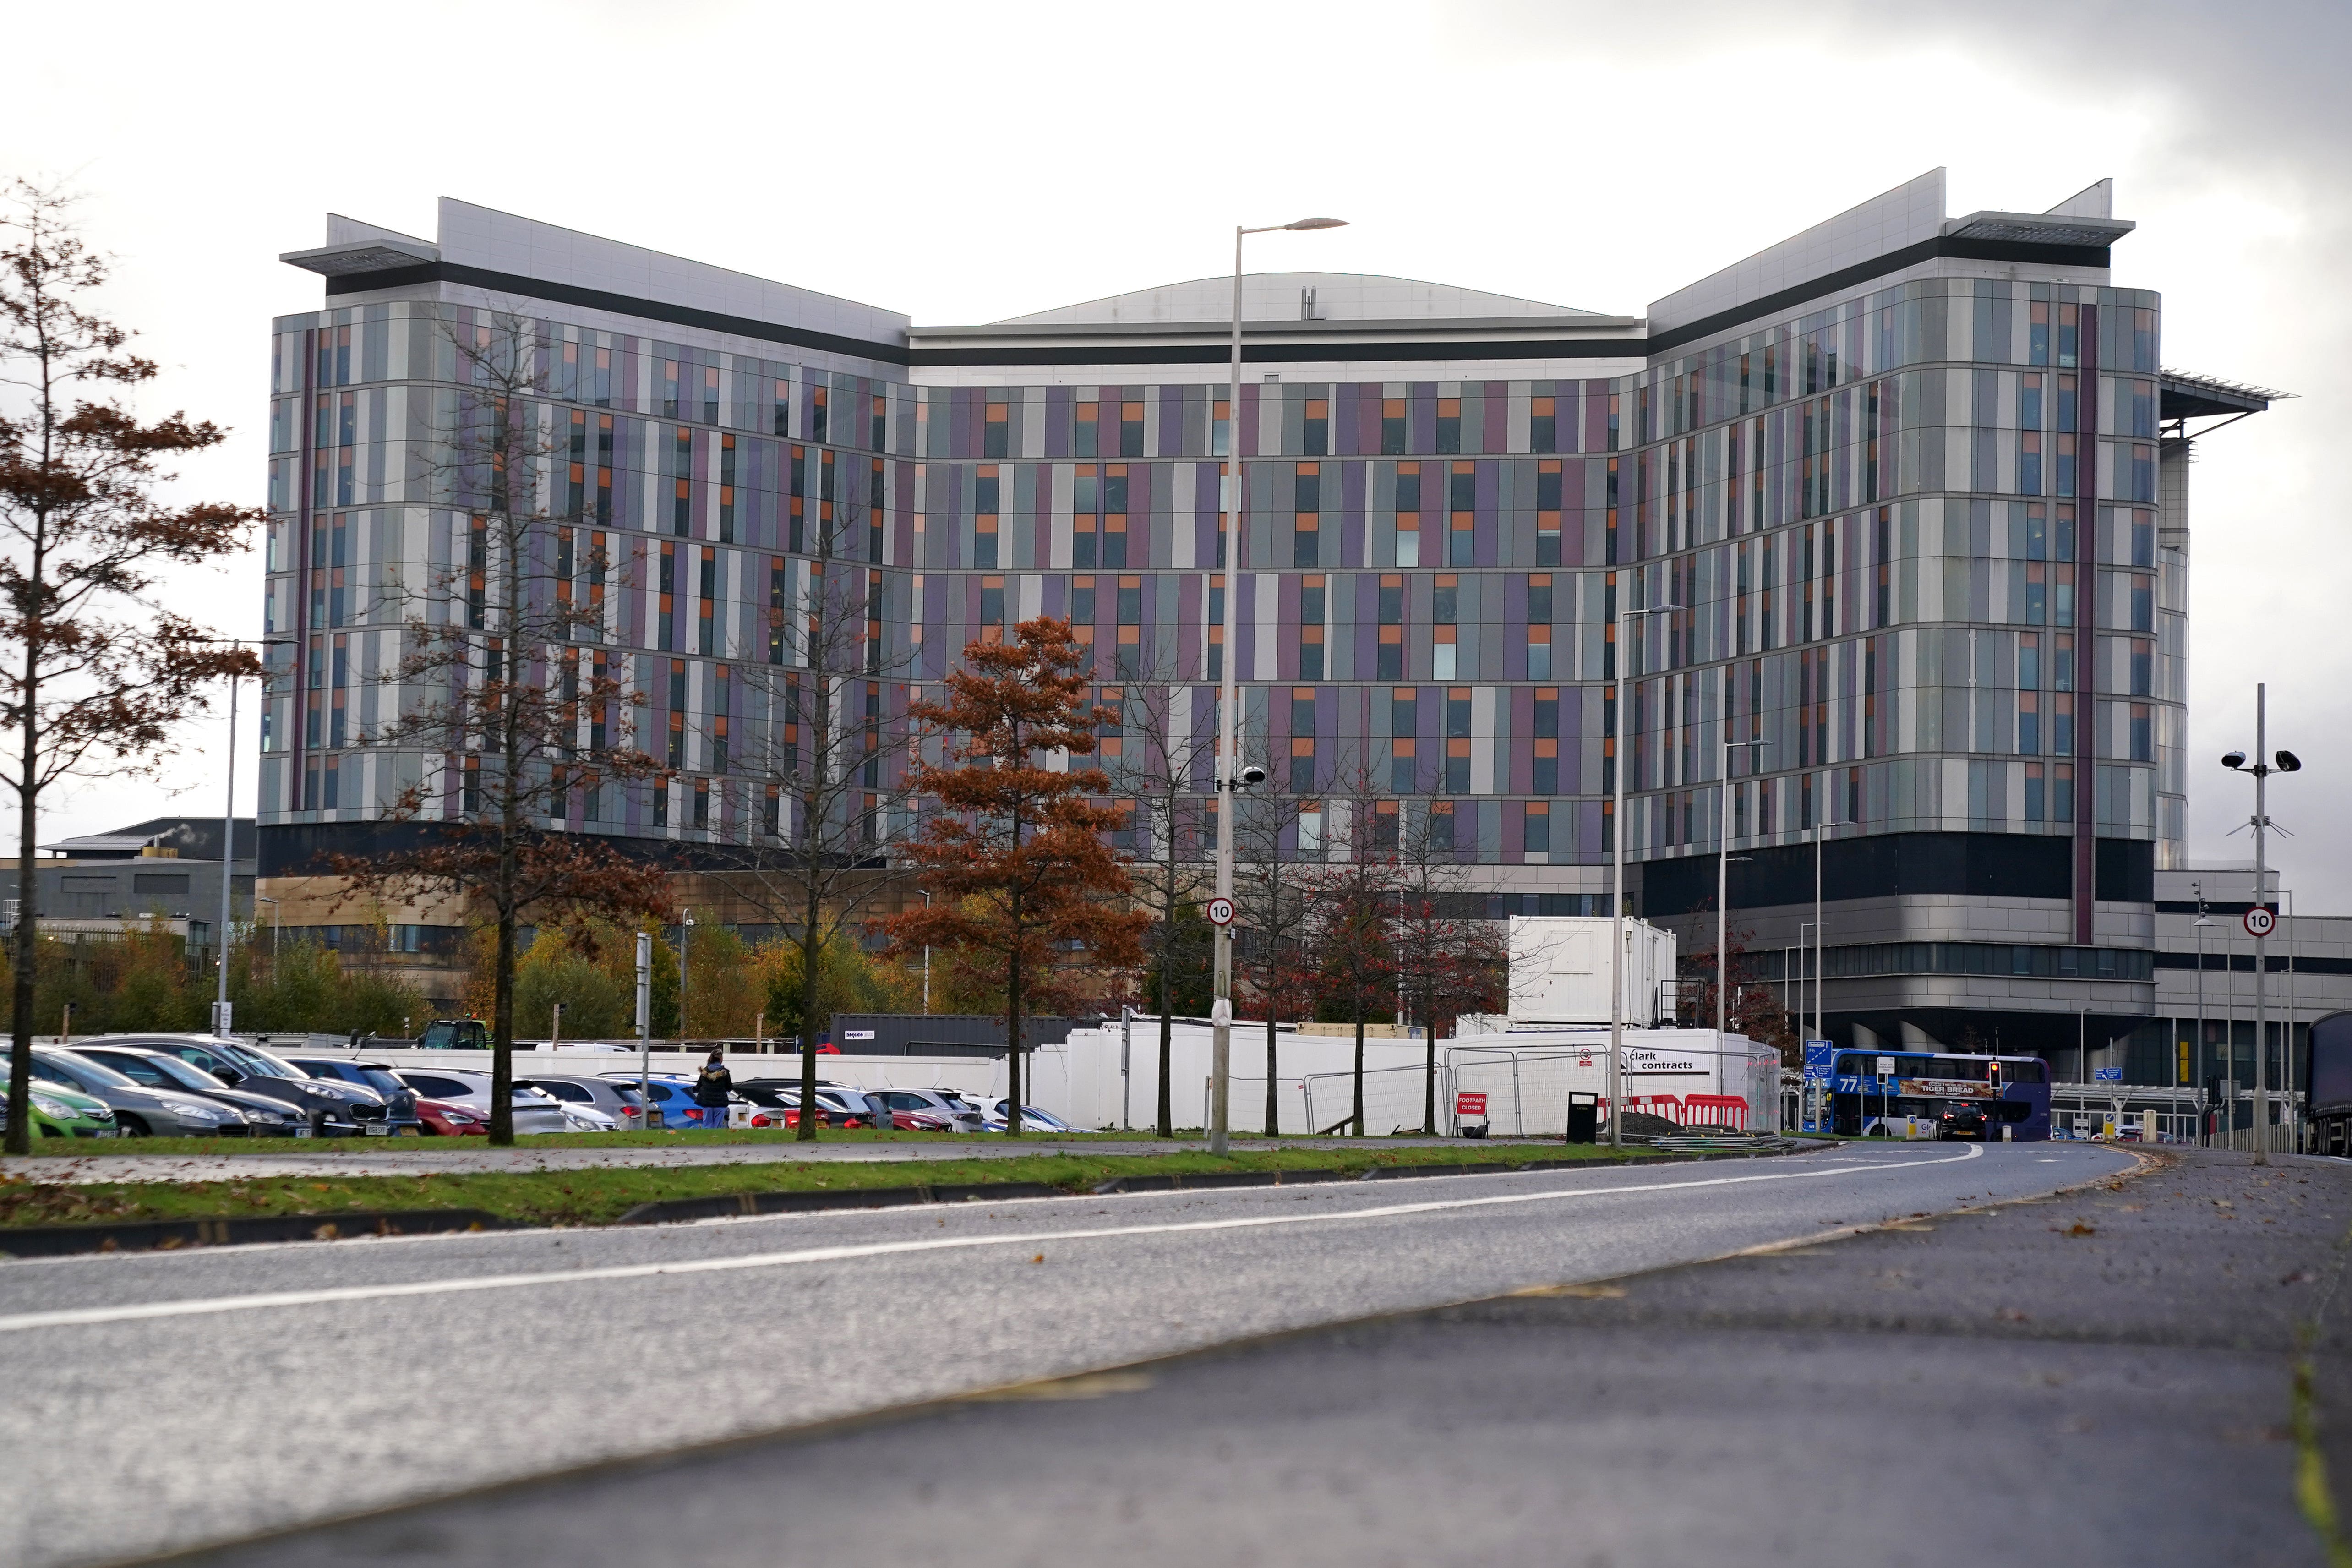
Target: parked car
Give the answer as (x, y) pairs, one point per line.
(840, 1107)
(335, 1110)
(954, 1114)
(399, 1099)
(60, 1112)
(139, 1112)
(672, 1094)
(468, 1094)
(1032, 1118)
(264, 1117)
(440, 1118)
(617, 1101)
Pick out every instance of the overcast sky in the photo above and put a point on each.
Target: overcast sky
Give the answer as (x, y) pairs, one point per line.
(963, 163)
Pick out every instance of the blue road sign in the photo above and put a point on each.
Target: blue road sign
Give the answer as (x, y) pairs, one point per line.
(1817, 1056)
(2107, 1075)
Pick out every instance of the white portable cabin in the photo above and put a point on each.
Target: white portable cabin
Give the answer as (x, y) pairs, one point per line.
(1560, 971)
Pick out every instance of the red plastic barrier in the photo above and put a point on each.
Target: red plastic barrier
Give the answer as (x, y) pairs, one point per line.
(1715, 1111)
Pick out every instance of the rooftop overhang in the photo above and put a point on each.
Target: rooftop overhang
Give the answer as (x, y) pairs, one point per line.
(2039, 228)
(2186, 397)
(364, 256)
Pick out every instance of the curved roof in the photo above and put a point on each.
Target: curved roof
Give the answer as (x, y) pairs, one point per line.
(1282, 296)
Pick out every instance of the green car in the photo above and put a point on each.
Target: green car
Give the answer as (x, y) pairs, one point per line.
(61, 1113)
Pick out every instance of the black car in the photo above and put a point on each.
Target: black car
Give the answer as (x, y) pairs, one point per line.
(398, 1097)
(1963, 1119)
(335, 1110)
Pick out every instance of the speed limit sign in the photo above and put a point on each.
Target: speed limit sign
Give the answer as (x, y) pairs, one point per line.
(2260, 922)
(1221, 912)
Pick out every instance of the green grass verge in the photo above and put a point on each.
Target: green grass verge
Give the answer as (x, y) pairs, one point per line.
(100, 1148)
(600, 1196)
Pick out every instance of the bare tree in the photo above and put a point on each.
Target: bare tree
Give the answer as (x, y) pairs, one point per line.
(503, 684)
(828, 752)
(1450, 957)
(1350, 896)
(1272, 908)
(100, 674)
(1157, 754)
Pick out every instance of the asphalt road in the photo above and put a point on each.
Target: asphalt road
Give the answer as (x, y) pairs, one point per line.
(169, 1400)
(2103, 1377)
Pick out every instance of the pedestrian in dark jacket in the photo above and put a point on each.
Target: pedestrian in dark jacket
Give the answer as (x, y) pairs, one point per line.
(712, 1087)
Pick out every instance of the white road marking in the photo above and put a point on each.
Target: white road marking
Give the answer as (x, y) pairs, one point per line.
(199, 1305)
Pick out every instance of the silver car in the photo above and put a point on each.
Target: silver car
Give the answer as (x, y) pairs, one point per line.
(617, 1101)
(138, 1111)
(959, 1114)
(535, 1110)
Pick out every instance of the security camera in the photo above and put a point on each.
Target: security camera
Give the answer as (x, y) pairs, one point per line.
(1252, 775)
(2233, 758)
(2288, 763)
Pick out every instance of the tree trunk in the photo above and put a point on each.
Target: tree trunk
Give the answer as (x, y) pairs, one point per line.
(503, 1030)
(20, 1043)
(1360, 1062)
(1013, 1031)
(1167, 1127)
(1429, 1082)
(1272, 1105)
(809, 949)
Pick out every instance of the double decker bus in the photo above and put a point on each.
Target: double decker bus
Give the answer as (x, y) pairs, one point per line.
(1869, 1090)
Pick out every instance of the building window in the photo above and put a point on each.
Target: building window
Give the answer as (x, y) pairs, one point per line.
(1393, 426)
(1543, 430)
(2143, 733)
(1317, 434)
(1114, 505)
(1088, 437)
(1546, 772)
(1462, 536)
(1441, 826)
(1548, 510)
(1536, 826)
(2143, 668)
(996, 431)
(1449, 425)
(2028, 723)
(1408, 514)
(1131, 429)
(1302, 765)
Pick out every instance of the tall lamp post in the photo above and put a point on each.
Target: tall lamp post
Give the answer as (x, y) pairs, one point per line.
(2196, 1057)
(2285, 763)
(1625, 618)
(1723, 867)
(220, 1018)
(1231, 778)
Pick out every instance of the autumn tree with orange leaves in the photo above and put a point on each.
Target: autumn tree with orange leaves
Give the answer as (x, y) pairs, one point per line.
(1012, 850)
(95, 677)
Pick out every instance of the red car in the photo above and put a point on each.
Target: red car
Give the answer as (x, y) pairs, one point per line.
(444, 1120)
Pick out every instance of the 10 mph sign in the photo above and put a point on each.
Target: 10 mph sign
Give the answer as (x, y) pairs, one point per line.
(2260, 922)
(1221, 912)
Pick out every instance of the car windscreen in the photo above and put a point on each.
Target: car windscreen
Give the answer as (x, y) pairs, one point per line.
(579, 1094)
(167, 1070)
(97, 1074)
(259, 1061)
(378, 1078)
(440, 1088)
(150, 1071)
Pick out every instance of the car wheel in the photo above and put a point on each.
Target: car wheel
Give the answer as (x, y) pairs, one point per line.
(129, 1126)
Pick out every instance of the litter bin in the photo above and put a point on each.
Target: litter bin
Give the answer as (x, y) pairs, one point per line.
(1583, 1118)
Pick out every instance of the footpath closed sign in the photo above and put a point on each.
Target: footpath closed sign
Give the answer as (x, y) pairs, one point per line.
(1470, 1105)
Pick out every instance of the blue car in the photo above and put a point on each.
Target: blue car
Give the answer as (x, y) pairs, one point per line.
(672, 1094)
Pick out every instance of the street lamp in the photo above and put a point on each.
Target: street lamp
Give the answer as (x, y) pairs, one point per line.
(1723, 867)
(228, 834)
(2196, 1057)
(1229, 516)
(2285, 763)
(1625, 618)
